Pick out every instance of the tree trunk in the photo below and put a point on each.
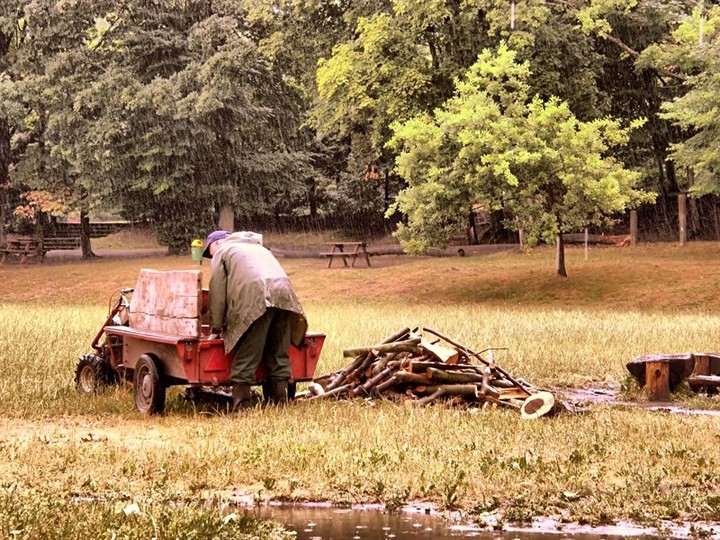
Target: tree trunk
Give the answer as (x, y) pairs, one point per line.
(560, 259)
(227, 218)
(4, 179)
(85, 245)
(312, 198)
(386, 203)
(4, 152)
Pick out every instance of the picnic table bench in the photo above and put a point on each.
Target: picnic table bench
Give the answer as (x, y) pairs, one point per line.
(338, 250)
(24, 247)
(20, 247)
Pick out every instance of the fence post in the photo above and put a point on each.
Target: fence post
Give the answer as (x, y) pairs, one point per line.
(633, 228)
(682, 218)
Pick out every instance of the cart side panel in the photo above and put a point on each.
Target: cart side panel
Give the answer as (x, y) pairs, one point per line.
(213, 364)
(304, 361)
(170, 359)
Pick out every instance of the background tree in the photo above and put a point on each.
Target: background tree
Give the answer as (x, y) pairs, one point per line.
(694, 53)
(495, 143)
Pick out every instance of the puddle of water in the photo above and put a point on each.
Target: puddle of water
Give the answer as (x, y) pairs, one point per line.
(611, 397)
(327, 523)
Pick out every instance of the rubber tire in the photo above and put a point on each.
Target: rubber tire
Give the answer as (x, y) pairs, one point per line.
(148, 387)
(92, 374)
(292, 390)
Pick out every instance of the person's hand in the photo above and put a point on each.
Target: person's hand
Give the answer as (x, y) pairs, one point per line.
(215, 333)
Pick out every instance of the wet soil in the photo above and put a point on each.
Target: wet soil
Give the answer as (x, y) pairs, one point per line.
(580, 399)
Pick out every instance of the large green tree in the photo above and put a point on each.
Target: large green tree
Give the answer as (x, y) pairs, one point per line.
(694, 53)
(497, 144)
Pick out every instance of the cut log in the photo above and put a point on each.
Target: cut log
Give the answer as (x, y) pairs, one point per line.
(470, 354)
(405, 377)
(386, 385)
(538, 405)
(704, 381)
(367, 387)
(316, 389)
(410, 345)
(444, 354)
(420, 366)
(466, 390)
(510, 393)
(611, 240)
(342, 375)
(436, 375)
(334, 392)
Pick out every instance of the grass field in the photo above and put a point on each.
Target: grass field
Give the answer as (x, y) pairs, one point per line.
(596, 468)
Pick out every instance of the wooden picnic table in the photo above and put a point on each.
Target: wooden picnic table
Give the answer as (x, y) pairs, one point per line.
(22, 247)
(346, 250)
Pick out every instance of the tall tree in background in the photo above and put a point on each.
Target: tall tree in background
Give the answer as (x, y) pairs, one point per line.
(207, 123)
(694, 53)
(11, 109)
(495, 143)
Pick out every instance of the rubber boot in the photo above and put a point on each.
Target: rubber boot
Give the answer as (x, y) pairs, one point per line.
(242, 397)
(279, 392)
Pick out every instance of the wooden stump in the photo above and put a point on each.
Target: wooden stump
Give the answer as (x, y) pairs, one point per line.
(657, 380)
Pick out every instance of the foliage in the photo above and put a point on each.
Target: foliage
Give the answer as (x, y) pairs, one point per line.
(496, 144)
(37, 202)
(169, 111)
(694, 53)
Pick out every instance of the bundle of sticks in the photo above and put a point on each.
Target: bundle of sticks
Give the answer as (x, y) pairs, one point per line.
(420, 370)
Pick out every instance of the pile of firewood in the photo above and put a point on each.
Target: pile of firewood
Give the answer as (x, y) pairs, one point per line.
(418, 370)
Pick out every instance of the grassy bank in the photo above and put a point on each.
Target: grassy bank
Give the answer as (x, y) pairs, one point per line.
(598, 467)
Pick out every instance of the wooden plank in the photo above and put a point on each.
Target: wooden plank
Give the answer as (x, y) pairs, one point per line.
(168, 302)
(704, 381)
(657, 380)
(168, 294)
(702, 364)
(166, 325)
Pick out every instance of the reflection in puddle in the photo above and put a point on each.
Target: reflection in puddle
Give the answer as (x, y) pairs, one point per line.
(327, 523)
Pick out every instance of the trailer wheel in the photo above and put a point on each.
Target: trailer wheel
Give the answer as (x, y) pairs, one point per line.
(292, 390)
(92, 374)
(148, 388)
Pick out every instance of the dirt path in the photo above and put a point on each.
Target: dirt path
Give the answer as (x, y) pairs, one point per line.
(71, 430)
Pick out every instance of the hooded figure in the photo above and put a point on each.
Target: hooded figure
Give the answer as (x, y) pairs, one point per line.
(253, 304)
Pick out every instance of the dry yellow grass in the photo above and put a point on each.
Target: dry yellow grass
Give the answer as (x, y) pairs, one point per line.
(598, 467)
(652, 278)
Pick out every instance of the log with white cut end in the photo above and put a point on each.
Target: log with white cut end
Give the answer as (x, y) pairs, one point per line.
(538, 405)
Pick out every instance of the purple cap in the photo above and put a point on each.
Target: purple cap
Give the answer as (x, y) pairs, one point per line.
(213, 237)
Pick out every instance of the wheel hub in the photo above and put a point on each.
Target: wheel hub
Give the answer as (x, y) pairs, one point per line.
(87, 379)
(147, 386)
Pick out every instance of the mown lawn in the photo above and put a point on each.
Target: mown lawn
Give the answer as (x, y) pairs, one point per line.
(598, 467)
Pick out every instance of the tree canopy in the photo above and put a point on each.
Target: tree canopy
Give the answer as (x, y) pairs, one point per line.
(494, 143)
(196, 113)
